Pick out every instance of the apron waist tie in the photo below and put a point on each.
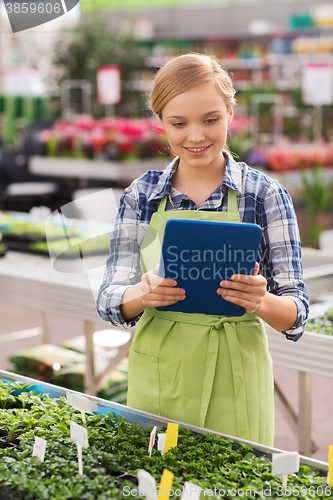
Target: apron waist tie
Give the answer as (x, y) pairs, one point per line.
(216, 324)
(237, 373)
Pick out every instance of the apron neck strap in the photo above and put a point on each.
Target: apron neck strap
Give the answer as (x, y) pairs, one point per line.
(232, 202)
(162, 204)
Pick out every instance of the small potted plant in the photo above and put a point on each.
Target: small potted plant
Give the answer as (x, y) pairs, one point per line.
(315, 210)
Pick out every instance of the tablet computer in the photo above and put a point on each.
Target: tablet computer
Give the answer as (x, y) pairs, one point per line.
(199, 254)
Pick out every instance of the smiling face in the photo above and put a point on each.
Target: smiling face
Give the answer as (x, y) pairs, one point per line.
(196, 124)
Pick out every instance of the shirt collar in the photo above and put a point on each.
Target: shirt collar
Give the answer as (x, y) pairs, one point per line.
(164, 183)
(232, 177)
(232, 173)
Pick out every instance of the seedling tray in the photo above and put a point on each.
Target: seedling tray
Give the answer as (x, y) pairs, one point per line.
(147, 420)
(118, 448)
(11, 238)
(313, 353)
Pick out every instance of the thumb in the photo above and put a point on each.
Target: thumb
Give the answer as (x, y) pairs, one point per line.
(256, 269)
(156, 268)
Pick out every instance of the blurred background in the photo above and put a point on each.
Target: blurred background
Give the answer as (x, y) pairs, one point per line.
(74, 119)
(76, 88)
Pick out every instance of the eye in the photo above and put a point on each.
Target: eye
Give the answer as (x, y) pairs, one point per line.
(211, 120)
(178, 124)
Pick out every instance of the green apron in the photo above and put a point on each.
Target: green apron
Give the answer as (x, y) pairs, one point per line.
(205, 370)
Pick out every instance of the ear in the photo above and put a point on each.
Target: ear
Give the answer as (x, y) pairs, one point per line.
(230, 116)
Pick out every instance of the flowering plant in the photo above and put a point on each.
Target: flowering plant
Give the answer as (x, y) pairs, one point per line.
(285, 156)
(108, 138)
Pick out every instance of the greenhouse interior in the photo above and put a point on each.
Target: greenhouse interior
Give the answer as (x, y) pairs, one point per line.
(166, 166)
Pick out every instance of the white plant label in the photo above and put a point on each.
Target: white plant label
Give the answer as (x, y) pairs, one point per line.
(79, 435)
(69, 397)
(93, 406)
(39, 448)
(191, 490)
(152, 440)
(284, 464)
(161, 442)
(147, 485)
(81, 403)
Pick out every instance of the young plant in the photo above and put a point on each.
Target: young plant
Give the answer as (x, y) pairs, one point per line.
(316, 193)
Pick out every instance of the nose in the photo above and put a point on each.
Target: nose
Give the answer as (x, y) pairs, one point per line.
(196, 134)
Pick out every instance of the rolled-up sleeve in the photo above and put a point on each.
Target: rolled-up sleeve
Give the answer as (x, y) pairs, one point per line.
(281, 254)
(123, 264)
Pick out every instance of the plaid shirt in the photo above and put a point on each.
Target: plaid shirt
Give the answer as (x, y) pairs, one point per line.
(261, 200)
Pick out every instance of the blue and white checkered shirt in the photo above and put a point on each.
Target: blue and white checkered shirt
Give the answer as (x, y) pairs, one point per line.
(261, 200)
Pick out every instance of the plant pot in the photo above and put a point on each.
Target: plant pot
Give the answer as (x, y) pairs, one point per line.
(5, 496)
(10, 443)
(132, 478)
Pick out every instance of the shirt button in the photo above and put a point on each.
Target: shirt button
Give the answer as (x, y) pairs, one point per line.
(159, 216)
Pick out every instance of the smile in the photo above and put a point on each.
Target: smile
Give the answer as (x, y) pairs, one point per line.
(197, 150)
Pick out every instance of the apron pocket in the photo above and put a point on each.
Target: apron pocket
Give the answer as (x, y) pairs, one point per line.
(143, 382)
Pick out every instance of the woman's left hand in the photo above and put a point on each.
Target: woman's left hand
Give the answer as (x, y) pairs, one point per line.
(245, 290)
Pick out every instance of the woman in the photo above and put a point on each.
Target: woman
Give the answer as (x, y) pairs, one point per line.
(205, 370)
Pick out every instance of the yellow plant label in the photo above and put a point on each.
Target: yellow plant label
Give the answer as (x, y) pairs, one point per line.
(171, 438)
(330, 465)
(165, 484)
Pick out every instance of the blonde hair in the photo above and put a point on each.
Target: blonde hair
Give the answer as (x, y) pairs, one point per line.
(186, 71)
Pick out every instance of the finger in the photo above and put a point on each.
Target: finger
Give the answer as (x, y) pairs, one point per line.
(239, 300)
(150, 282)
(232, 285)
(154, 280)
(247, 279)
(159, 302)
(256, 269)
(161, 297)
(156, 269)
(146, 280)
(162, 291)
(237, 286)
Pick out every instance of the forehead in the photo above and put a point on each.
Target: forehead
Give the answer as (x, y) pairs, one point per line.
(199, 99)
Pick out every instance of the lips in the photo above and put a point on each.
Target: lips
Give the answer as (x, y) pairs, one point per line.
(198, 151)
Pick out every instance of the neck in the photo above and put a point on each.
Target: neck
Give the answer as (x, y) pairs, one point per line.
(199, 183)
(208, 175)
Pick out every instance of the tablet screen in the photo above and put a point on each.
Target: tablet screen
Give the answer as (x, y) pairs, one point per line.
(199, 254)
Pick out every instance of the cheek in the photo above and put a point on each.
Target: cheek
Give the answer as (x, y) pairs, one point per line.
(174, 136)
(221, 132)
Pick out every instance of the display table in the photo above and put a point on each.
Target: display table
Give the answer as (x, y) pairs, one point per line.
(125, 172)
(318, 273)
(313, 353)
(31, 282)
(117, 171)
(147, 420)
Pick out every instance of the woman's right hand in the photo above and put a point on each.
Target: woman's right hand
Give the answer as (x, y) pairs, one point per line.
(151, 291)
(157, 291)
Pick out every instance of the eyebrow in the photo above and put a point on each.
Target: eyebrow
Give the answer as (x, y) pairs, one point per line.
(205, 114)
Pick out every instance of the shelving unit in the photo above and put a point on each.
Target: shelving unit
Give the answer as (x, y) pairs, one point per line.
(257, 42)
(285, 70)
